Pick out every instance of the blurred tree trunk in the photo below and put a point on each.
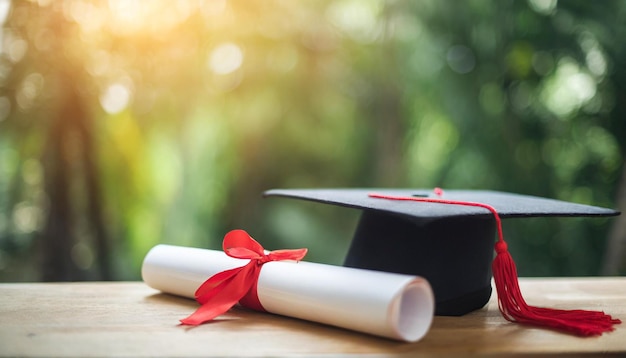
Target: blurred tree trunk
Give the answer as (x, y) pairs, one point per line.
(71, 174)
(387, 121)
(94, 199)
(71, 164)
(57, 236)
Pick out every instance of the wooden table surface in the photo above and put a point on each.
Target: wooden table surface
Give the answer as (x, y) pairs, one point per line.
(131, 319)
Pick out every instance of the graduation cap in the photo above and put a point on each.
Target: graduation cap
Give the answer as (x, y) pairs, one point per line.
(448, 238)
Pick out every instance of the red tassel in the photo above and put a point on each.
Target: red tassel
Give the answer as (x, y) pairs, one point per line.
(510, 301)
(515, 309)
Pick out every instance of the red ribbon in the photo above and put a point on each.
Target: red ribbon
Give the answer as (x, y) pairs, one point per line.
(510, 300)
(223, 290)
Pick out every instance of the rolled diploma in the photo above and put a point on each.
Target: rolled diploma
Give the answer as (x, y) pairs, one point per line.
(385, 304)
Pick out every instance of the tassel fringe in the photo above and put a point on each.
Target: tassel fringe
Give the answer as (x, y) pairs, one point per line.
(515, 309)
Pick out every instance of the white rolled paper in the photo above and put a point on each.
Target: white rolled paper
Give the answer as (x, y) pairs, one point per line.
(380, 303)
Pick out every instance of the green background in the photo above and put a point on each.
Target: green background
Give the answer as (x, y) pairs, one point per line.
(125, 124)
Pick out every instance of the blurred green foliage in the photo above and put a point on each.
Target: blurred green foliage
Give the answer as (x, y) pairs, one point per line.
(125, 124)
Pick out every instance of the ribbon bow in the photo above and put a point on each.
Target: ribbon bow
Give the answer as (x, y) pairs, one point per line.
(224, 289)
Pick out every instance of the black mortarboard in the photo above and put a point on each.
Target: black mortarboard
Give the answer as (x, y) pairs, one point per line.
(450, 245)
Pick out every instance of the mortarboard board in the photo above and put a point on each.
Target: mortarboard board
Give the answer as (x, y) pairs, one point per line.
(450, 245)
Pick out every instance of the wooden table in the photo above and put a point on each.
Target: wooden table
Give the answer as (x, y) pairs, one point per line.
(131, 319)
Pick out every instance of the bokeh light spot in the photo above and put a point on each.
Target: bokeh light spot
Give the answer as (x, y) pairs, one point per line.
(29, 90)
(26, 218)
(358, 19)
(596, 62)
(115, 98)
(519, 59)
(545, 7)
(520, 95)
(82, 255)
(435, 139)
(17, 49)
(542, 63)
(461, 59)
(568, 89)
(225, 58)
(32, 172)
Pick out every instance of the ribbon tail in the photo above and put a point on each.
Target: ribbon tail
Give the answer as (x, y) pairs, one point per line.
(224, 296)
(206, 313)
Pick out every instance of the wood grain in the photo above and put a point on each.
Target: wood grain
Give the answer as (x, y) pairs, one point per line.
(130, 319)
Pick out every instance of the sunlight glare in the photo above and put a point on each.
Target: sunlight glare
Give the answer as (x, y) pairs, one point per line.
(87, 15)
(131, 17)
(124, 11)
(5, 8)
